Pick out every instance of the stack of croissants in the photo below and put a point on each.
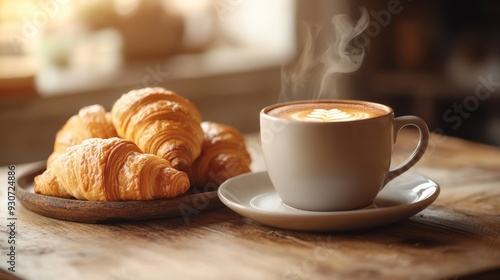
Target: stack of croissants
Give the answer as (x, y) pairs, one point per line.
(151, 145)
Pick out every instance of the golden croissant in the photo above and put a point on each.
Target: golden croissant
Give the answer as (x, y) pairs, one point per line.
(224, 155)
(112, 169)
(90, 122)
(160, 122)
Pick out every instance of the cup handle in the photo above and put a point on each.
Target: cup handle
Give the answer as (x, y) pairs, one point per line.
(419, 151)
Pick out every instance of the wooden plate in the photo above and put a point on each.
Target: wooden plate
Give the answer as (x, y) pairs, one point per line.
(102, 212)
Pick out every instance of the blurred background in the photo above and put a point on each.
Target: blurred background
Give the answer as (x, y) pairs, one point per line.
(439, 60)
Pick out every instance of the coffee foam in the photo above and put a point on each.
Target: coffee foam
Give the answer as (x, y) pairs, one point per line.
(327, 112)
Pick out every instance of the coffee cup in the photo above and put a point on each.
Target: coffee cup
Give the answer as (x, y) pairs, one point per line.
(333, 155)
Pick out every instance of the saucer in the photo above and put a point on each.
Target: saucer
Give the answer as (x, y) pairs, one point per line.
(252, 195)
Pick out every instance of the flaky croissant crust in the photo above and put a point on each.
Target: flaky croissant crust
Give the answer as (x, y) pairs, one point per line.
(160, 122)
(110, 169)
(91, 122)
(224, 155)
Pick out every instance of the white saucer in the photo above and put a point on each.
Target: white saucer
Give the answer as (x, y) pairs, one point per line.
(252, 195)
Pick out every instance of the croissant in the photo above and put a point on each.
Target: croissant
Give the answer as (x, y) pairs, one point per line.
(112, 169)
(91, 121)
(160, 122)
(224, 155)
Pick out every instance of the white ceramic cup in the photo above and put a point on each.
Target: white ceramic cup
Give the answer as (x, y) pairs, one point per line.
(333, 166)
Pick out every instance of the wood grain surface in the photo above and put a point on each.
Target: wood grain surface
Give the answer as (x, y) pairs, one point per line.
(457, 236)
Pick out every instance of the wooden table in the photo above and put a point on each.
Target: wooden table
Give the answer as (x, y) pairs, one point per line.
(458, 235)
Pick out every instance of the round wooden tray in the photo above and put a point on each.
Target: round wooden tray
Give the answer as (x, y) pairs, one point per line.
(102, 212)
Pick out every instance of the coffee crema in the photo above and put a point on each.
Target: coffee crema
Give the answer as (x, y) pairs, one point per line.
(327, 111)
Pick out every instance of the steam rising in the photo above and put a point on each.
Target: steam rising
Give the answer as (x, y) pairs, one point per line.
(314, 76)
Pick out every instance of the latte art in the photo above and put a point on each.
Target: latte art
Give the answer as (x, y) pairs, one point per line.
(323, 115)
(327, 112)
